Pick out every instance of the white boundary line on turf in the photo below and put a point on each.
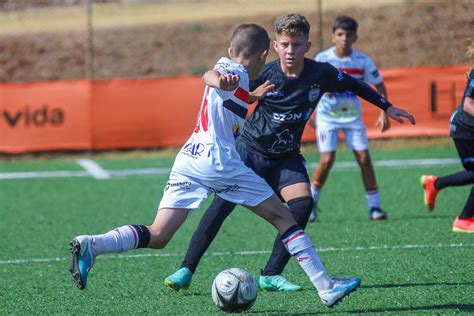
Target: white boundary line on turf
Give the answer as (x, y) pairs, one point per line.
(246, 252)
(404, 163)
(93, 168)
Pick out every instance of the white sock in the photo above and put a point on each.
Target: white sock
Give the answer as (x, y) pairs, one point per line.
(315, 192)
(118, 240)
(373, 198)
(302, 249)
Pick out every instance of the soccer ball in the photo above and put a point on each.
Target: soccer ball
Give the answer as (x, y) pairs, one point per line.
(234, 290)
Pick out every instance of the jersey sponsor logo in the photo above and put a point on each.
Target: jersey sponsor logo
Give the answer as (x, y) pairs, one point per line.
(228, 188)
(275, 94)
(186, 185)
(291, 117)
(195, 150)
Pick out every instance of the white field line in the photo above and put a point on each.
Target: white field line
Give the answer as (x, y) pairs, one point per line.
(246, 252)
(401, 164)
(93, 168)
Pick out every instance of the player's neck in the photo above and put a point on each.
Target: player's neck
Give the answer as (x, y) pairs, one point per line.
(292, 71)
(342, 52)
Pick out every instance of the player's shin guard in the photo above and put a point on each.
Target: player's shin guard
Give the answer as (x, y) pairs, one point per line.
(302, 249)
(121, 239)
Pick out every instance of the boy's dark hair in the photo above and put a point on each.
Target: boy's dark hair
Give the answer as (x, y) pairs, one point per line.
(249, 39)
(346, 23)
(291, 24)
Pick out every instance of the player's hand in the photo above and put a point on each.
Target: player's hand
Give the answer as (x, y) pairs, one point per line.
(382, 122)
(229, 82)
(397, 114)
(261, 91)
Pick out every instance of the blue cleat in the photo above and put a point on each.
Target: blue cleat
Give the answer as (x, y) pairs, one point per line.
(272, 283)
(340, 289)
(82, 260)
(181, 279)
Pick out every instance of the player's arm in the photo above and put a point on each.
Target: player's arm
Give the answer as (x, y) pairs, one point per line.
(261, 91)
(340, 82)
(468, 105)
(215, 79)
(382, 121)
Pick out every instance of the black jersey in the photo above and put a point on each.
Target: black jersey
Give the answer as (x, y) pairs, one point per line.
(462, 124)
(276, 126)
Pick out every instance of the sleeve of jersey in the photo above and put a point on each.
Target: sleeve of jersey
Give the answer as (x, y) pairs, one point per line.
(371, 73)
(223, 71)
(337, 81)
(238, 101)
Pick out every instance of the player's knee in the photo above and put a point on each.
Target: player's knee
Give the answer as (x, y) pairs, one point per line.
(301, 209)
(364, 161)
(326, 162)
(158, 239)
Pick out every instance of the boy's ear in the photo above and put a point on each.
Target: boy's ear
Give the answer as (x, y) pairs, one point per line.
(230, 51)
(308, 46)
(263, 56)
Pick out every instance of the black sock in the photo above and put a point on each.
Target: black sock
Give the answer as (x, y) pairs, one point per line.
(300, 209)
(468, 211)
(456, 179)
(143, 235)
(206, 231)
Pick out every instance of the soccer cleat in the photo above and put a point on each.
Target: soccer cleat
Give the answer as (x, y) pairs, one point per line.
(181, 279)
(377, 214)
(463, 225)
(272, 283)
(82, 260)
(430, 192)
(340, 289)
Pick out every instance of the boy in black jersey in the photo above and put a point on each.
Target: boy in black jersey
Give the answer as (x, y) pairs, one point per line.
(462, 132)
(287, 91)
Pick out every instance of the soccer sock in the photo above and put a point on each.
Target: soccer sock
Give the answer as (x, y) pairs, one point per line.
(302, 249)
(121, 239)
(456, 179)
(300, 208)
(373, 198)
(468, 211)
(315, 192)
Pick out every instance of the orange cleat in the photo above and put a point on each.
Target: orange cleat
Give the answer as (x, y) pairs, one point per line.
(428, 181)
(463, 225)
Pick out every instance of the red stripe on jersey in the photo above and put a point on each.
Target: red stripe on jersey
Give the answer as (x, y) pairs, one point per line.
(241, 94)
(352, 71)
(299, 233)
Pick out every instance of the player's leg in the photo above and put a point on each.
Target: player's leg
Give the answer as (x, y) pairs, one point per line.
(289, 177)
(356, 139)
(171, 214)
(331, 291)
(202, 238)
(327, 144)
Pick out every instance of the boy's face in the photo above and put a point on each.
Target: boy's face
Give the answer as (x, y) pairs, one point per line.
(291, 49)
(343, 39)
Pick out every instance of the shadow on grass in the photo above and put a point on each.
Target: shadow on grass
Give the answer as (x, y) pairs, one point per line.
(388, 286)
(452, 307)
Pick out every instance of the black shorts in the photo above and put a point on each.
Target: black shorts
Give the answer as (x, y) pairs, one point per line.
(465, 149)
(277, 172)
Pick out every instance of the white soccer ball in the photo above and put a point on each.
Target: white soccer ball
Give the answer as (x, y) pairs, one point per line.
(234, 290)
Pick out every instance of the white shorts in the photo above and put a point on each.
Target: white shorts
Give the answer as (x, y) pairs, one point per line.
(355, 136)
(185, 191)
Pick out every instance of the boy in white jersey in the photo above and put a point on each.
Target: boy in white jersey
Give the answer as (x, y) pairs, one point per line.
(208, 163)
(342, 111)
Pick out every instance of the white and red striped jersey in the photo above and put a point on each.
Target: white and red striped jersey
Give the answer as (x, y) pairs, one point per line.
(210, 151)
(345, 107)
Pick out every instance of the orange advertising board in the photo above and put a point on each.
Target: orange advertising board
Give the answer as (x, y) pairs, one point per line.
(154, 113)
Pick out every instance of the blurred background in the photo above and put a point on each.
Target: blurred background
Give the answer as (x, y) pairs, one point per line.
(103, 39)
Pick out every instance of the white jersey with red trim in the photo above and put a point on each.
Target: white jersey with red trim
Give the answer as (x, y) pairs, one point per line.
(210, 151)
(345, 107)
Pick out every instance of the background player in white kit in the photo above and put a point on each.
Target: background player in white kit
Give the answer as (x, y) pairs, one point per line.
(208, 163)
(342, 111)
